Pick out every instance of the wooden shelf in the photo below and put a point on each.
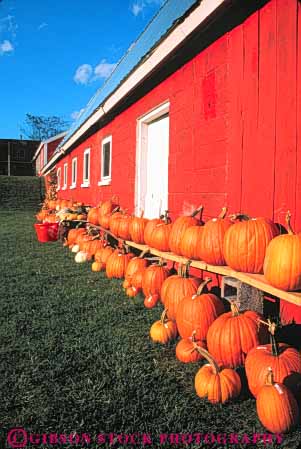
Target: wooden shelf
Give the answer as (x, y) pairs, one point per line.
(254, 280)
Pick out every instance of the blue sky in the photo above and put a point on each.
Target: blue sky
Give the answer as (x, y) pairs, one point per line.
(55, 54)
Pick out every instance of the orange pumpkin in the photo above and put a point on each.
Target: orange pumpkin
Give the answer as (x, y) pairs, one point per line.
(232, 335)
(190, 242)
(282, 264)
(179, 227)
(281, 358)
(102, 255)
(178, 288)
(276, 406)
(187, 349)
(149, 229)
(245, 243)
(137, 228)
(92, 216)
(211, 242)
(117, 264)
(153, 278)
(108, 206)
(197, 312)
(216, 384)
(160, 236)
(164, 330)
(135, 264)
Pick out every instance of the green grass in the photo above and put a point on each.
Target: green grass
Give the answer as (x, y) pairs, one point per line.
(76, 354)
(21, 192)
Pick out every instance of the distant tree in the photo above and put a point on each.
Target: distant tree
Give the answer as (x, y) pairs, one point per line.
(39, 127)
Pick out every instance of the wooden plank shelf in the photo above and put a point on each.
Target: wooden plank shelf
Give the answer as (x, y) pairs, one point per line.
(254, 280)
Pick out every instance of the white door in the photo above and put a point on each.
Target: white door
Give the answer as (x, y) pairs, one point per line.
(156, 164)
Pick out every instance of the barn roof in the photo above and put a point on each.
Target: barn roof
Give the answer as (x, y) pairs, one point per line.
(164, 20)
(175, 20)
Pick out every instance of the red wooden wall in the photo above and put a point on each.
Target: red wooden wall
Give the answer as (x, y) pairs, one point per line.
(235, 116)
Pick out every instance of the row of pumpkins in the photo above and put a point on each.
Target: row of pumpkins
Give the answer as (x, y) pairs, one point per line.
(226, 340)
(250, 245)
(57, 210)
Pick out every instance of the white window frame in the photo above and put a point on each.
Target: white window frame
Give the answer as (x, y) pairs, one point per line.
(105, 180)
(65, 177)
(86, 181)
(45, 154)
(58, 176)
(73, 173)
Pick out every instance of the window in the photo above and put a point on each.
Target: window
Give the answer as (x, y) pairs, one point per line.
(58, 175)
(19, 154)
(65, 176)
(106, 161)
(86, 168)
(45, 153)
(74, 173)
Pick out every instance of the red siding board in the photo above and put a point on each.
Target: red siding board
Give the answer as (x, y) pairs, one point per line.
(285, 156)
(234, 116)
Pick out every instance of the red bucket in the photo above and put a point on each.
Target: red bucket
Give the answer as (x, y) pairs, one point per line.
(42, 232)
(53, 229)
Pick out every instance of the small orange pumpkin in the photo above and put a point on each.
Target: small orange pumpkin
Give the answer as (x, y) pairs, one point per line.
(164, 330)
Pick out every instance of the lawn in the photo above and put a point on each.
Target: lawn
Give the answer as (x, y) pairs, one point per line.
(76, 356)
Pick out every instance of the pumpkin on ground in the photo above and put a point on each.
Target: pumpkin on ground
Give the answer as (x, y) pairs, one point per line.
(282, 264)
(179, 227)
(135, 264)
(187, 349)
(164, 330)
(232, 335)
(82, 257)
(211, 242)
(102, 255)
(178, 288)
(97, 266)
(281, 358)
(245, 243)
(276, 406)
(197, 312)
(153, 278)
(151, 301)
(217, 384)
(136, 283)
(117, 264)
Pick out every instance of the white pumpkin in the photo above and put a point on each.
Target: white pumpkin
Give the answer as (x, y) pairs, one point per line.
(75, 248)
(81, 257)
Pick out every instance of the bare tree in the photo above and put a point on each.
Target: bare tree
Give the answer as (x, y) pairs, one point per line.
(39, 127)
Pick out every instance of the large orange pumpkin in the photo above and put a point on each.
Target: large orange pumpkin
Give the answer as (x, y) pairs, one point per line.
(282, 264)
(276, 406)
(245, 243)
(179, 227)
(232, 335)
(197, 312)
(102, 255)
(178, 288)
(216, 384)
(149, 229)
(135, 264)
(281, 358)
(211, 242)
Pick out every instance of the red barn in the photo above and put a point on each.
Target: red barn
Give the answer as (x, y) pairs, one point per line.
(45, 151)
(203, 109)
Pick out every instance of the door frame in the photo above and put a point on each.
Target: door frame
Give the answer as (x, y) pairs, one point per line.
(141, 148)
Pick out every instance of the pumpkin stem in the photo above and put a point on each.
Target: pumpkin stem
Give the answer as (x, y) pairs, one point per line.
(270, 377)
(272, 327)
(202, 286)
(223, 212)
(209, 358)
(240, 217)
(288, 222)
(142, 213)
(163, 318)
(234, 308)
(185, 272)
(196, 211)
(165, 217)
